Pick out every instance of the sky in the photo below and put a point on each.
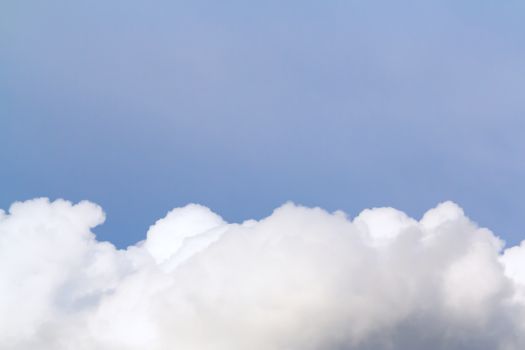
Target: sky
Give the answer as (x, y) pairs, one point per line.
(229, 175)
(240, 106)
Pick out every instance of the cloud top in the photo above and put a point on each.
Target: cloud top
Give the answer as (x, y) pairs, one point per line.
(302, 278)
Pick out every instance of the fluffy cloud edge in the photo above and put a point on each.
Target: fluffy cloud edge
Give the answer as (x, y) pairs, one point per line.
(301, 277)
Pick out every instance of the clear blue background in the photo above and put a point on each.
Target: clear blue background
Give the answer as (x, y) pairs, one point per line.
(142, 106)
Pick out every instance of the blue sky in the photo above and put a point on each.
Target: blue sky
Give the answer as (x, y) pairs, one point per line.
(240, 106)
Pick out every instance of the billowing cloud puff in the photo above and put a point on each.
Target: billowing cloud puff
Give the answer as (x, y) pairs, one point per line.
(301, 278)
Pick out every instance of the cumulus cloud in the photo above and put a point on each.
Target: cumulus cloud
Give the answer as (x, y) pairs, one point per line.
(302, 278)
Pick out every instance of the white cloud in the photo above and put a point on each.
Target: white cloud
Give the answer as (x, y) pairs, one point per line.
(301, 278)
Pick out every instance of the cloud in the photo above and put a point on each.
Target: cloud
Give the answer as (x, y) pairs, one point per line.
(302, 278)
